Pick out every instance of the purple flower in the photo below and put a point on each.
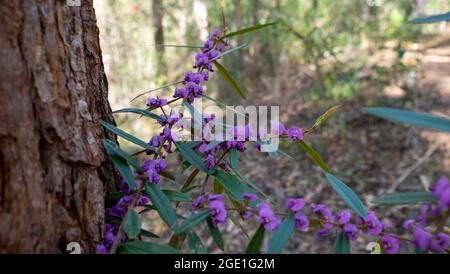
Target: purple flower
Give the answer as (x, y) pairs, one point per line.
(218, 212)
(267, 217)
(295, 204)
(295, 133)
(408, 224)
(324, 213)
(246, 213)
(277, 129)
(323, 233)
(372, 224)
(343, 217)
(214, 34)
(249, 197)
(197, 203)
(301, 222)
(390, 244)
(101, 249)
(215, 197)
(440, 241)
(441, 190)
(210, 161)
(156, 141)
(143, 200)
(156, 102)
(351, 231)
(422, 238)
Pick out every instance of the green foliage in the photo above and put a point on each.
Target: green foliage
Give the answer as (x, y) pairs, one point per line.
(216, 235)
(125, 135)
(411, 118)
(192, 221)
(162, 204)
(227, 76)
(432, 19)
(281, 235)
(138, 247)
(405, 198)
(342, 244)
(132, 224)
(347, 194)
(254, 246)
(232, 185)
(195, 243)
(314, 155)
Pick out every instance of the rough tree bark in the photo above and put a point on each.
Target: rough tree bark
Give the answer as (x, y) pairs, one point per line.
(53, 93)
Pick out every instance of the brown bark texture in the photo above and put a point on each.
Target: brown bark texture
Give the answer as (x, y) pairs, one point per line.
(53, 93)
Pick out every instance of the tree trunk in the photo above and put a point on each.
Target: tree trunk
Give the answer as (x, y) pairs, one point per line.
(53, 169)
(158, 36)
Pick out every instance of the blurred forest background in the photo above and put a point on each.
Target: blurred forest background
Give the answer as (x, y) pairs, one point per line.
(353, 53)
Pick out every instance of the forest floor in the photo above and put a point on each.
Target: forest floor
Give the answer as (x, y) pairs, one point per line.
(373, 156)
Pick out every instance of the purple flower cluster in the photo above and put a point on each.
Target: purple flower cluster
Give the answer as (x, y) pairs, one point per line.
(152, 168)
(119, 209)
(267, 218)
(156, 102)
(192, 83)
(216, 206)
(423, 239)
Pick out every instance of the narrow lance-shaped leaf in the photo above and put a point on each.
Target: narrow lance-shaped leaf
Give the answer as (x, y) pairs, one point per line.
(123, 168)
(112, 147)
(191, 156)
(255, 243)
(232, 185)
(412, 118)
(138, 247)
(142, 112)
(249, 29)
(281, 235)
(432, 19)
(162, 204)
(347, 194)
(192, 220)
(227, 76)
(405, 198)
(132, 224)
(176, 196)
(233, 158)
(314, 155)
(216, 235)
(322, 118)
(341, 245)
(125, 135)
(195, 243)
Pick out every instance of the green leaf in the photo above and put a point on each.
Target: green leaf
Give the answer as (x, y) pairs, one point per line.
(132, 224)
(176, 196)
(112, 148)
(126, 136)
(232, 185)
(139, 247)
(142, 112)
(195, 243)
(195, 114)
(405, 198)
(281, 235)
(147, 233)
(162, 204)
(212, 145)
(432, 19)
(216, 235)
(249, 183)
(167, 175)
(347, 195)
(122, 166)
(322, 118)
(233, 158)
(314, 155)
(412, 118)
(341, 245)
(249, 29)
(191, 156)
(227, 76)
(191, 221)
(255, 243)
